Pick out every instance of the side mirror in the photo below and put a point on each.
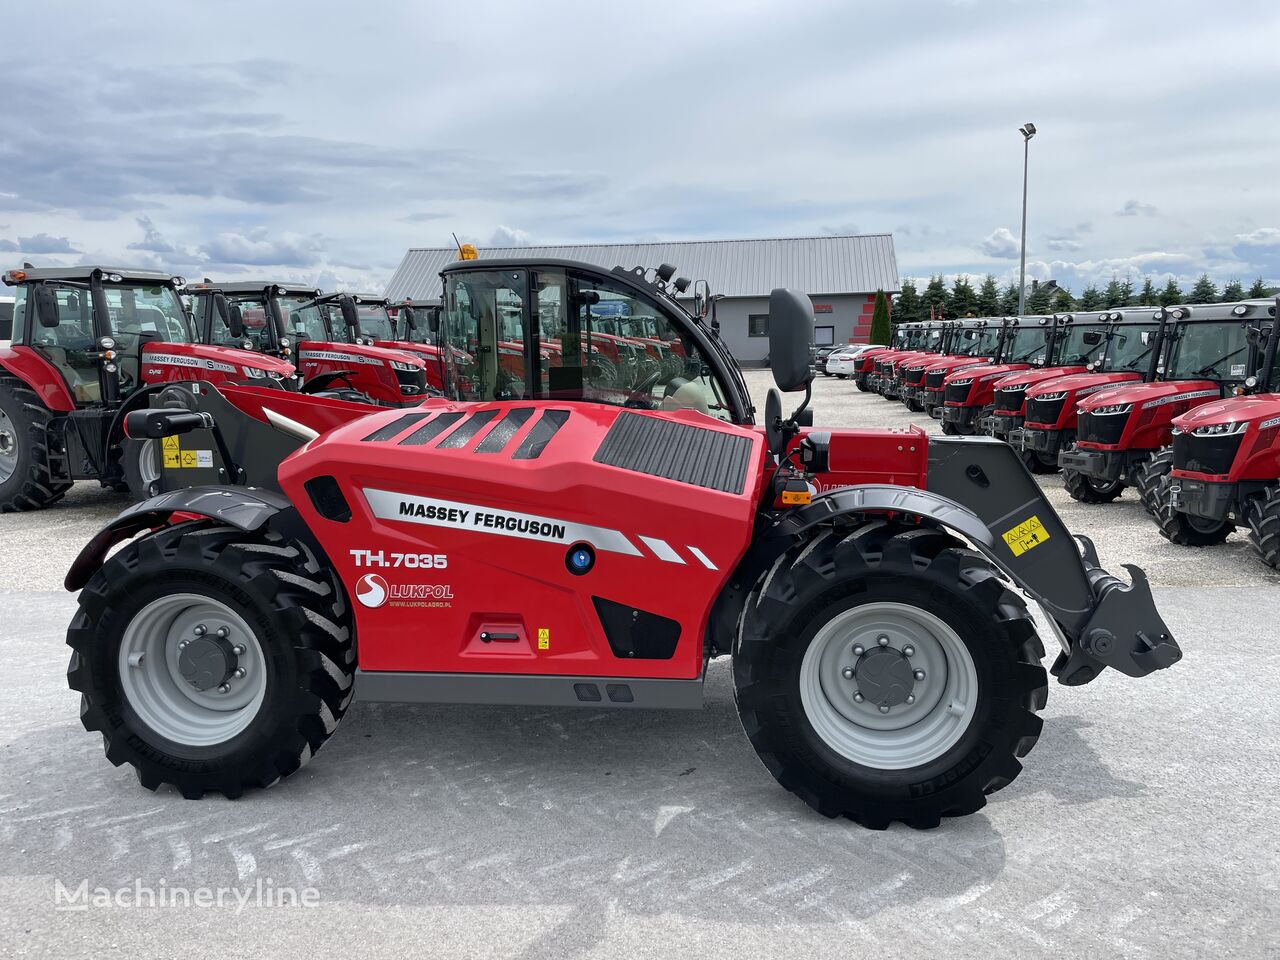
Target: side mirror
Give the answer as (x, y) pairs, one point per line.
(350, 315)
(410, 318)
(701, 299)
(790, 334)
(46, 305)
(1092, 337)
(221, 308)
(433, 319)
(235, 320)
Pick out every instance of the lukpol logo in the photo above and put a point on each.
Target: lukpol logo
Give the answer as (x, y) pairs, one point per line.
(371, 590)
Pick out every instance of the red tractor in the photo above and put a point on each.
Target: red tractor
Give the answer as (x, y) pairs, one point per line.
(1207, 352)
(1223, 469)
(1129, 353)
(91, 344)
(864, 371)
(969, 393)
(932, 341)
(580, 547)
(322, 333)
(981, 343)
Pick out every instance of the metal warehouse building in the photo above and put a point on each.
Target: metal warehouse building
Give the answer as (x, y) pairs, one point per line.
(840, 274)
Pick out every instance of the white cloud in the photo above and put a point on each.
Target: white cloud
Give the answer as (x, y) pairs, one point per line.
(509, 237)
(1000, 243)
(1136, 208)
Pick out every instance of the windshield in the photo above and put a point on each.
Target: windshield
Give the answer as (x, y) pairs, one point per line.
(1027, 345)
(979, 342)
(934, 341)
(375, 322)
(1074, 349)
(1216, 350)
(1131, 346)
(305, 320)
(253, 314)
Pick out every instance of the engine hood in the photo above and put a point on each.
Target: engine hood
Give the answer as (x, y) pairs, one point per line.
(1152, 394)
(1024, 378)
(362, 353)
(990, 371)
(1262, 407)
(228, 360)
(1081, 384)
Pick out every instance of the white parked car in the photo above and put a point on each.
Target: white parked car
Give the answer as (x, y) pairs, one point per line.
(841, 362)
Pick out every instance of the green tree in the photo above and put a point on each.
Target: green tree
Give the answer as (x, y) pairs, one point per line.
(989, 297)
(907, 307)
(1233, 291)
(1126, 292)
(1113, 295)
(1258, 290)
(1148, 296)
(1171, 294)
(935, 296)
(1041, 300)
(1090, 298)
(1205, 290)
(880, 320)
(1063, 302)
(964, 301)
(1009, 300)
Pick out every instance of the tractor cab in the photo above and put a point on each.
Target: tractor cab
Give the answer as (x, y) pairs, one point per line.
(968, 394)
(252, 314)
(575, 330)
(976, 341)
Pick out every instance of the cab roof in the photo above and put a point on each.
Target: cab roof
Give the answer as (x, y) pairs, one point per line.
(86, 272)
(253, 286)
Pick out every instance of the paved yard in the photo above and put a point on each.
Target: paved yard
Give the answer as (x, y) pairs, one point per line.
(1143, 826)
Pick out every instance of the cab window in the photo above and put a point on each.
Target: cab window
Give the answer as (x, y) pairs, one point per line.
(305, 322)
(481, 308)
(253, 314)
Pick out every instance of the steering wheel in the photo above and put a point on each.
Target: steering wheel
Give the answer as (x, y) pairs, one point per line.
(641, 388)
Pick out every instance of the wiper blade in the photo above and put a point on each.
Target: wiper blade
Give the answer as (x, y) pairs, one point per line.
(1208, 368)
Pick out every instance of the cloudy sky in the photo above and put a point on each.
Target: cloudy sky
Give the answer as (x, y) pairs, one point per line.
(319, 140)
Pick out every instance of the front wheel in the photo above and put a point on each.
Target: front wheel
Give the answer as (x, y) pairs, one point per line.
(1148, 476)
(862, 384)
(211, 659)
(1085, 489)
(1185, 529)
(888, 674)
(1263, 514)
(1038, 462)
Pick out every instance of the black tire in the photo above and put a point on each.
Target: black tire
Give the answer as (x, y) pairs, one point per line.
(1181, 528)
(300, 621)
(918, 567)
(140, 467)
(1038, 462)
(862, 383)
(1085, 489)
(31, 485)
(1263, 515)
(1147, 478)
(950, 429)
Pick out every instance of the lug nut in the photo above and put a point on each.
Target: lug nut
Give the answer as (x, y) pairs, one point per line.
(919, 674)
(238, 649)
(224, 688)
(884, 708)
(239, 674)
(858, 650)
(858, 698)
(200, 630)
(847, 673)
(182, 644)
(224, 632)
(882, 640)
(908, 651)
(911, 698)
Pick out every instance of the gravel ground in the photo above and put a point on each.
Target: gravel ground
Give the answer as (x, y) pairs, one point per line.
(1143, 825)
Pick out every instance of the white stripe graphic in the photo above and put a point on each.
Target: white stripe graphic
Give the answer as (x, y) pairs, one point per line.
(662, 550)
(706, 562)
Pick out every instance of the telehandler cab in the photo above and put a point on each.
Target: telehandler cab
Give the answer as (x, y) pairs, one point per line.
(587, 544)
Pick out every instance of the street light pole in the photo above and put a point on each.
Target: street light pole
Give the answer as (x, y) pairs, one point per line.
(1028, 131)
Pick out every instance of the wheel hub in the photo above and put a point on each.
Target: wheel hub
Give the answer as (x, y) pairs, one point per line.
(208, 661)
(885, 677)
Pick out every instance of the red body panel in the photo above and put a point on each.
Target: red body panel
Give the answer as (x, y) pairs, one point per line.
(1149, 425)
(1259, 455)
(897, 456)
(867, 358)
(1076, 386)
(468, 577)
(319, 413)
(170, 362)
(369, 367)
(40, 375)
(1028, 377)
(980, 391)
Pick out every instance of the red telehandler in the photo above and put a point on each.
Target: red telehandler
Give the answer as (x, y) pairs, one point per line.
(592, 546)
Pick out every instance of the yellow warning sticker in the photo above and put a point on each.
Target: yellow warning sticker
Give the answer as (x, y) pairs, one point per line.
(1026, 536)
(188, 458)
(169, 443)
(171, 459)
(544, 638)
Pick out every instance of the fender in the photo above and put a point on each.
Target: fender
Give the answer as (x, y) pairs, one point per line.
(40, 375)
(238, 507)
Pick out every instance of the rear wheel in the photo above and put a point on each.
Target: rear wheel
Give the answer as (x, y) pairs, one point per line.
(1263, 514)
(25, 480)
(1088, 489)
(888, 674)
(211, 659)
(1185, 529)
(1148, 476)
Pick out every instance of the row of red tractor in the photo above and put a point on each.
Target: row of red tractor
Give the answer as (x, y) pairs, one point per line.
(1173, 402)
(92, 344)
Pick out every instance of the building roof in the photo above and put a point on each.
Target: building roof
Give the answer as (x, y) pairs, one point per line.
(735, 268)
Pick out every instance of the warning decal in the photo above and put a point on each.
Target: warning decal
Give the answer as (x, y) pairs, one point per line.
(1026, 536)
(175, 458)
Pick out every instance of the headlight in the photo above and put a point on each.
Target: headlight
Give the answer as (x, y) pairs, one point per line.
(256, 372)
(961, 383)
(1111, 408)
(1050, 396)
(284, 341)
(401, 365)
(1221, 429)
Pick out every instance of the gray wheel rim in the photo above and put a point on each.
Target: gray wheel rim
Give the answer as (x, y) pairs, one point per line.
(1102, 486)
(911, 733)
(152, 680)
(8, 447)
(148, 463)
(1204, 524)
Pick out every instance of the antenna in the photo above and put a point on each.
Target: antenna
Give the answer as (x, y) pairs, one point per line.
(456, 242)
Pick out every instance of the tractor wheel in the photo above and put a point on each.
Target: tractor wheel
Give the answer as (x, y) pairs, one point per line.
(211, 659)
(1088, 490)
(1038, 462)
(1263, 515)
(25, 481)
(1184, 528)
(140, 463)
(862, 384)
(889, 674)
(1148, 476)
